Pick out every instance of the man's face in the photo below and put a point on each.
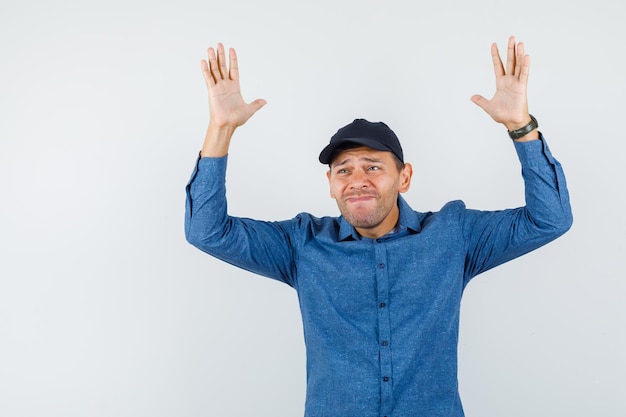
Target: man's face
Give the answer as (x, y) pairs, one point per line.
(365, 183)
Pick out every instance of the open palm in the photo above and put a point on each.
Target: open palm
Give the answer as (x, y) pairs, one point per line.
(226, 104)
(509, 104)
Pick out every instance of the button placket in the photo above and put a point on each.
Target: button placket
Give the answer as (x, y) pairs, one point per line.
(384, 327)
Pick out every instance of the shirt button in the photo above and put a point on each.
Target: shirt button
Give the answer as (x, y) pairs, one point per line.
(381, 266)
(382, 305)
(385, 379)
(384, 343)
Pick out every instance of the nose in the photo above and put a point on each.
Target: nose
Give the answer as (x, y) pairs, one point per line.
(358, 180)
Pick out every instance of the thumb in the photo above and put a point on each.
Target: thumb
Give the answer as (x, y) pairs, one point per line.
(257, 104)
(480, 101)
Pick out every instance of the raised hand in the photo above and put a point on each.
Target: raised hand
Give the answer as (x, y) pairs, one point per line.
(227, 108)
(509, 104)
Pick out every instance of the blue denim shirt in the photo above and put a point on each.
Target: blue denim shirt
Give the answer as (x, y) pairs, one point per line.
(381, 316)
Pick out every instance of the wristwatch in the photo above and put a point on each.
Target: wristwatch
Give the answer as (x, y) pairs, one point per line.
(523, 131)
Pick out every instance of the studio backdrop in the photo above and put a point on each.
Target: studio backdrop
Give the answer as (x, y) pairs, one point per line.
(106, 310)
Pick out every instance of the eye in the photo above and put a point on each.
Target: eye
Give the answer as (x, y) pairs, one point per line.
(373, 168)
(342, 171)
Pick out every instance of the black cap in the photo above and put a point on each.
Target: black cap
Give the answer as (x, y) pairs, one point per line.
(375, 135)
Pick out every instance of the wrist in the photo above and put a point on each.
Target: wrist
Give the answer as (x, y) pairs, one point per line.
(220, 130)
(517, 124)
(216, 141)
(517, 132)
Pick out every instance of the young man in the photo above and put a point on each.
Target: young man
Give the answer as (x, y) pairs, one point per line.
(380, 286)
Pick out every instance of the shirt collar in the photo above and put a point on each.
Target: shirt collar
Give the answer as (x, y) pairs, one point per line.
(407, 221)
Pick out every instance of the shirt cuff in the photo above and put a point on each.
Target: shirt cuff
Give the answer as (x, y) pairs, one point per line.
(208, 169)
(534, 152)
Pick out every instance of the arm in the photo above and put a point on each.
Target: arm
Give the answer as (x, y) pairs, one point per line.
(496, 237)
(260, 247)
(265, 248)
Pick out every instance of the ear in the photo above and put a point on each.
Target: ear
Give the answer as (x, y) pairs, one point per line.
(332, 195)
(405, 178)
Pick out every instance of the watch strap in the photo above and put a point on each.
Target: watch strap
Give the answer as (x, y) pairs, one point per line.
(523, 131)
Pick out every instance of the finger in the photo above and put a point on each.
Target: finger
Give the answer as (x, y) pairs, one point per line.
(525, 70)
(498, 68)
(208, 78)
(480, 101)
(221, 61)
(519, 59)
(213, 67)
(510, 56)
(234, 65)
(256, 105)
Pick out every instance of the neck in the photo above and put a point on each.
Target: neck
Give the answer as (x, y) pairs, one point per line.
(387, 225)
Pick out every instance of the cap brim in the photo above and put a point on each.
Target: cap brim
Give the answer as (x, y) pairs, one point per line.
(327, 153)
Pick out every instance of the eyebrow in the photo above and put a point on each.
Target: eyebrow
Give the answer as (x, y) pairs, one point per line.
(365, 158)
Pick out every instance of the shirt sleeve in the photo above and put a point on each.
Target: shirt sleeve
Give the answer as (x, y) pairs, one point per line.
(257, 246)
(495, 237)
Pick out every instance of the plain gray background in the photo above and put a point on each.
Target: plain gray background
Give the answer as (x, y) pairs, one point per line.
(105, 310)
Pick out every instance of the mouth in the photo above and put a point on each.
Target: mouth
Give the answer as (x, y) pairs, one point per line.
(355, 199)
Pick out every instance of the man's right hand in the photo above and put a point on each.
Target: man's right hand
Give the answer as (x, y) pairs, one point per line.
(227, 108)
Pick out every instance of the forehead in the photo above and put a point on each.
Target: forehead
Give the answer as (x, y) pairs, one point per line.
(361, 153)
